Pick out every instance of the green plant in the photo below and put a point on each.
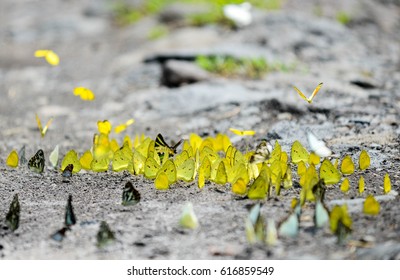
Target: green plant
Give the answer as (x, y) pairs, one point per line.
(343, 17)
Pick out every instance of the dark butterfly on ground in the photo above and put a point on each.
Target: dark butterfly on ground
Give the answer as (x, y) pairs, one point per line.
(67, 172)
(12, 217)
(262, 153)
(59, 234)
(130, 196)
(36, 163)
(160, 142)
(104, 235)
(70, 218)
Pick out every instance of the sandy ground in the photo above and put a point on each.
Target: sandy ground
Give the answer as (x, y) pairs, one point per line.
(358, 108)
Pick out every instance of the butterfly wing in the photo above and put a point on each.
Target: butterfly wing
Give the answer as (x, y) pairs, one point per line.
(318, 146)
(315, 92)
(36, 163)
(302, 95)
(130, 196)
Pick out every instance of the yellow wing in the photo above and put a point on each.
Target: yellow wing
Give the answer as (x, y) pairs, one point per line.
(315, 92)
(302, 94)
(242, 132)
(12, 159)
(42, 129)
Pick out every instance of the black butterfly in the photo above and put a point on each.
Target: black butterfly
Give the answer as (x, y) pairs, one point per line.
(12, 216)
(130, 195)
(67, 172)
(104, 235)
(160, 142)
(36, 163)
(70, 218)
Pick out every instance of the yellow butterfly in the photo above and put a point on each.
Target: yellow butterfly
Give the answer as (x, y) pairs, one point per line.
(242, 132)
(12, 159)
(340, 222)
(220, 176)
(299, 153)
(123, 159)
(138, 162)
(186, 170)
(104, 127)
(329, 173)
(195, 141)
(314, 158)
(204, 172)
(361, 185)
(258, 188)
(53, 157)
(309, 99)
(188, 218)
(254, 225)
(347, 167)
(84, 93)
(100, 164)
(365, 160)
(344, 187)
(161, 182)
(43, 130)
(287, 179)
(86, 160)
(387, 185)
(169, 169)
(122, 127)
(71, 158)
(151, 168)
(239, 186)
(50, 56)
(371, 206)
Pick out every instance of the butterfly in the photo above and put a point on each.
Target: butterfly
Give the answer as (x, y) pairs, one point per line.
(12, 159)
(371, 206)
(321, 214)
(44, 129)
(70, 218)
(340, 222)
(67, 172)
(100, 165)
(36, 163)
(299, 153)
(186, 170)
(160, 142)
(53, 157)
(188, 218)
(242, 132)
(51, 57)
(122, 127)
(254, 225)
(84, 93)
(104, 236)
(289, 227)
(387, 185)
(204, 172)
(262, 153)
(138, 162)
(271, 238)
(86, 160)
(309, 99)
(151, 168)
(161, 182)
(169, 169)
(130, 196)
(345, 185)
(239, 186)
(258, 189)
(71, 157)
(104, 127)
(59, 234)
(220, 176)
(329, 173)
(318, 190)
(21, 153)
(347, 167)
(364, 160)
(361, 185)
(123, 159)
(12, 217)
(318, 146)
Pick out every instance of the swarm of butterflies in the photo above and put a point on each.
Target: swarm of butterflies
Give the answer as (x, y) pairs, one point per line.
(256, 175)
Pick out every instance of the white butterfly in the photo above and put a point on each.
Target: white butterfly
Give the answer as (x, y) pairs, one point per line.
(318, 146)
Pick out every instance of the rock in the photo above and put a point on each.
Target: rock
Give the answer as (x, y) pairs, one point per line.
(176, 73)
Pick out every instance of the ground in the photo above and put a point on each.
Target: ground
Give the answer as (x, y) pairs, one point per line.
(358, 60)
